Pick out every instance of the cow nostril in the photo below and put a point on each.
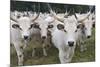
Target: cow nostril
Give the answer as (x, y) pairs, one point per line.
(25, 37)
(43, 37)
(88, 36)
(71, 43)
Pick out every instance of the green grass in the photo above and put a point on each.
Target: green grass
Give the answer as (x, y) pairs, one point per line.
(52, 58)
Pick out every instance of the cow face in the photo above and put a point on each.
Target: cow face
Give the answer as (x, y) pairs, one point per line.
(87, 29)
(43, 30)
(44, 25)
(25, 26)
(70, 29)
(88, 24)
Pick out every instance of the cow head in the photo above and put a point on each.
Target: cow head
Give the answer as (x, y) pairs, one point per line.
(70, 29)
(70, 26)
(87, 25)
(24, 25)
(44, 24)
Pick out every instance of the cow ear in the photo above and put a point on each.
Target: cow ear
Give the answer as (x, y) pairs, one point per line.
(60, 26)
(15, 26)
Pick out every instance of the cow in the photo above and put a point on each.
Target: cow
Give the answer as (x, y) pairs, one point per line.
(42, 24)
(20, 33)
(65, 36)
(86, 30)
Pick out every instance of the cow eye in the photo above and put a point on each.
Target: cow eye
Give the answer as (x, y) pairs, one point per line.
(60, 26)
(80, 26)
(50, 26)
(18, 17)
(15, 26)
(32, 25)
(83, 26)
(75, 30)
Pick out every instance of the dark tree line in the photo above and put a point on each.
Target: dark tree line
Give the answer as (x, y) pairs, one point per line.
(58, 8)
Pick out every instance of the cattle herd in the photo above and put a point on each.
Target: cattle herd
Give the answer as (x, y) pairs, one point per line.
(66, 31)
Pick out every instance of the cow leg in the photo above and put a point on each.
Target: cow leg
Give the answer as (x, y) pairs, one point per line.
(26, 43)
(19, 50)
(44, 49)
(61, 56)
(70, 54)
(83, 46)
(65, 56)
(50, 42)
(33, 52)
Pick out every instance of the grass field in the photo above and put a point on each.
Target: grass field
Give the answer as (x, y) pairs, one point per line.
(52, 58)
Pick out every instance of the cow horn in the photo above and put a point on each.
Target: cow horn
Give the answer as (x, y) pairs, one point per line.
(54, 14)
(33, 19)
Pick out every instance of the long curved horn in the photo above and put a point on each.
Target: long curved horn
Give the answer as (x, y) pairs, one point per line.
(84, 18)
(54, 14)
(76, 16)
(33, 19)
(87, 15)
(13, 18)
(67, 14)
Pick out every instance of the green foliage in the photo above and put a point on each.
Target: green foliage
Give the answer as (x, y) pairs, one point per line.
(58, 8)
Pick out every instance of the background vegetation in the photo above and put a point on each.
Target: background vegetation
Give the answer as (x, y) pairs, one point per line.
(58, 8)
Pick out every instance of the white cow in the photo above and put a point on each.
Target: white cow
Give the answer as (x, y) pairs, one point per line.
(64, 40)
(42, 23)
(21, 31)
(85, 31)
(87, 23)
(66, 37)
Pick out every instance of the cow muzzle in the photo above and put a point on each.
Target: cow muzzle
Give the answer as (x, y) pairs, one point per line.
(26, 37)
(70, 43)
(43, 37)
(88, 36)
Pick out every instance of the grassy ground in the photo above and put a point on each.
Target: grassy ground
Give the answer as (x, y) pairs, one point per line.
(52, 58)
